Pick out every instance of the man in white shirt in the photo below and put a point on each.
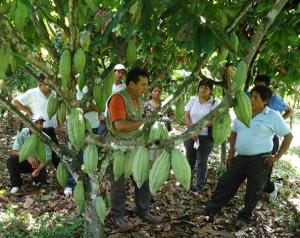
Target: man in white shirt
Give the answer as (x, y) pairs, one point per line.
(119, 72)
(35, 101)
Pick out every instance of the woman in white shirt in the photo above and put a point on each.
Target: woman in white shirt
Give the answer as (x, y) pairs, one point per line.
(199, 147)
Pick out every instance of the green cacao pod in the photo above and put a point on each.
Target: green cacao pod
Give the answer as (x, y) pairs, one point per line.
(160, 171)
(62, 113)
(88, 126)
(181, 168)
(242, 108)
(221, 128)
(235, 41)
(62, 174)
(20, 15)
(131, 53)
(140, 166)
(97, 96)
(76, 127)
(81, 81)
(4, 58)
(222, 55)
(129, 156)
(52, 105)
(207, 40)
(118, 164)
(28, 147)
(240, 76)
(40, 152)
(65, 65)
(100, 208)
(155, 131)
(90, 158)
(85, 40)
(79, 60)
(79, 194)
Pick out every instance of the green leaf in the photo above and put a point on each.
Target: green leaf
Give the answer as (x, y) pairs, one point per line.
(207, 41)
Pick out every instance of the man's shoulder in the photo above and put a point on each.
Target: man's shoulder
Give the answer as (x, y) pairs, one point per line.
(24, 132)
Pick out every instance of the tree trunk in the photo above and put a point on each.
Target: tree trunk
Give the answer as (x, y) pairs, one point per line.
(92, 227)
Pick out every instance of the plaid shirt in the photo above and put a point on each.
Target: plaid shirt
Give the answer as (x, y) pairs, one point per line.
(20, 139)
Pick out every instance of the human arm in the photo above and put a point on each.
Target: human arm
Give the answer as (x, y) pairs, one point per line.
(187, 119)
(288, 112)
(127, 126)
(232, 140)
(21, 107)
(287, 139)
(34, 163)
(37, 171)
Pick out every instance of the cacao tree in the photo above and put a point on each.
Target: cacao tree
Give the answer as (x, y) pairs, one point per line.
(79, 41)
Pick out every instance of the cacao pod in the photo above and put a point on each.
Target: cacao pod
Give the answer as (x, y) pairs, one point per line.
(240, 76)
(76, 127)
(65, 66)
(97, 96)
(129, 156)
(4, 58)
(131, 53)
(155, 131)
(62, 174)
(118, 164)
(207, 41)
(90, 158)
(221, 128)
(140, 166)
(181, 168)
(79, 60)
(28, 147)
(40, 152)
(100, 209)
(235, 41)
(52, 106)
(62, 113)
(81, 81)
(222, 55)
(160, 171)
(20, 15)
(242, 108)
(88, 126)
(79, 194)
(164, 132)
(85, 40)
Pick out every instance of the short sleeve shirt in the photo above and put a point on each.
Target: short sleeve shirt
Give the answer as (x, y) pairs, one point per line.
(199, 110)
(20, 139)
(258, 138)
(38, 103)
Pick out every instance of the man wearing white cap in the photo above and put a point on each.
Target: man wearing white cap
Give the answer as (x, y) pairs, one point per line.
(31, 165)
(119, 72)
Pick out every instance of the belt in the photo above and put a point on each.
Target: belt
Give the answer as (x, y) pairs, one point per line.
(257, 155)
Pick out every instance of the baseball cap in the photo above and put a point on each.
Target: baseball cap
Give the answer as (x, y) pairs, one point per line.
(119, 67)
(37, 117)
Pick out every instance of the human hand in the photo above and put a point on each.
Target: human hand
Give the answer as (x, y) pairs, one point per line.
(35, 173)
(34, 163)
(271, 159)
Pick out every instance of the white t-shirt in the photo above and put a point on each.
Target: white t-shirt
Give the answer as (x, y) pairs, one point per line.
(198, 110)
(117, 88)
(37, 103)
(92, 117)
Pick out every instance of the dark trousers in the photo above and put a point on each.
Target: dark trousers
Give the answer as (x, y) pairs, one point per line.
(16, 169)
(118, 196)
(200, 156)
(252, 168)
(269, 187)
(50, 131)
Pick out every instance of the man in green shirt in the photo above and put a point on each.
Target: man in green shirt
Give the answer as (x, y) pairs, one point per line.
(31, 165)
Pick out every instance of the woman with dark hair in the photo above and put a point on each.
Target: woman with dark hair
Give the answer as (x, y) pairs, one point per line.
(154, 101)
(199, 147)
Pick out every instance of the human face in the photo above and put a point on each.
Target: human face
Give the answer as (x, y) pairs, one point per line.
(39, 124)
(119, 74)
(156, 93)
(45, 86)
(139, 88)
(257, 103)
(204, 91)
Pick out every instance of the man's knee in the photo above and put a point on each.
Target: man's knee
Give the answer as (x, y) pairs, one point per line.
(13, 159)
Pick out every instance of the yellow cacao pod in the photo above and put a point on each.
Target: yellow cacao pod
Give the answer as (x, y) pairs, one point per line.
(129, 156)
(65, 65)
(76, 127)
(240, 76)
(221, 128)
(242, 108)
(181, 168)
(90, 158)
(20, 15)
(118, 164)
(28, 147)
(140, 166)
(62, 113)
(79, 194)
(79, 60)
(81, 81)
(40, 152)
(100, 208)
(85, 40)
(131, 52)
(52, 105)
(62, 174)
(160, 171)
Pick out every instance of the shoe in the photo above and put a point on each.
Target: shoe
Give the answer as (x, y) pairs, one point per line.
(14, 190)
(273, 195)
(205, 212)
(68, 191)
(148, 217)
(196, 191)
(122, 225)
(36, 184)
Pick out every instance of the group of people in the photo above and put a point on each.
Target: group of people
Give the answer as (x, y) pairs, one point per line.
(251, 155)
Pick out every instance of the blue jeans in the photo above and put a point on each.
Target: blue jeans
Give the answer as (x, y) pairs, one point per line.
(200, 156)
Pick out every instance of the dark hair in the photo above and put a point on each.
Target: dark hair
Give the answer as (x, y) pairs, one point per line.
(207, 82)
(264, 92)
(134, 74)
(42, 77)
(263, 78)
